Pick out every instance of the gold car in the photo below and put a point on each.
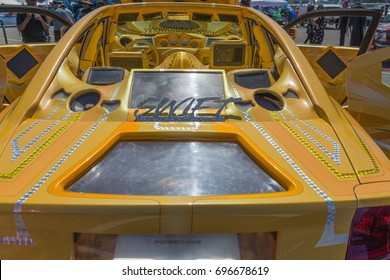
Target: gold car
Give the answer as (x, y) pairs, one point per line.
(183, 130)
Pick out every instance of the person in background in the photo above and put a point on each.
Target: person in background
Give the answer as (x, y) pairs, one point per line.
(310, 26)
(34, 27)
(343, 24)
(57, 25)
(69, 14)
(73, 7)
(385, 12)
(358, 25)
(245, 3)
(100, 3)
(297, 15)
(86, 8)
(318, 28)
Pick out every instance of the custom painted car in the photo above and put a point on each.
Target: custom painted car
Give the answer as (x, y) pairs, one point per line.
(183, 130)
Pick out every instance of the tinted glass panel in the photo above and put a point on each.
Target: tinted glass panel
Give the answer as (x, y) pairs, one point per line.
(176, 86)
(176, 169)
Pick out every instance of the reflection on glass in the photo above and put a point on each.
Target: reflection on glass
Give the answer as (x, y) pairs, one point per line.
(176, 169)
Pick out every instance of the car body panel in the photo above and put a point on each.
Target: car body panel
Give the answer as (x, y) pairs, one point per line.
(30, 57)
(7, 19)
(24, 60)
(337, 57)
(309, 145)
(369, 95)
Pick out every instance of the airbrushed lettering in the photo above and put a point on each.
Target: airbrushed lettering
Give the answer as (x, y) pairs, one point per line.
(188, 115)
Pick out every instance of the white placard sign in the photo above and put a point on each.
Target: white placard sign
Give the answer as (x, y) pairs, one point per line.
(177, 247)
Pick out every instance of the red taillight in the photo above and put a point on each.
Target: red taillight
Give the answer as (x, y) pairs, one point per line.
(370, 234)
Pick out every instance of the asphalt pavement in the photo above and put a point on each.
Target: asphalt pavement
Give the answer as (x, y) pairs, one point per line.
(332, 36)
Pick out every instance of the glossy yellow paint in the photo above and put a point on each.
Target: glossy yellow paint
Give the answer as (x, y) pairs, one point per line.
(16, 85)
(369, 96)
(335, 86)
(3, 81)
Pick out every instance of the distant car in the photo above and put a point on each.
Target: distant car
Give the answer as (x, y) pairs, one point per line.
(384, 18)
(7, 19)
(332, 19)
